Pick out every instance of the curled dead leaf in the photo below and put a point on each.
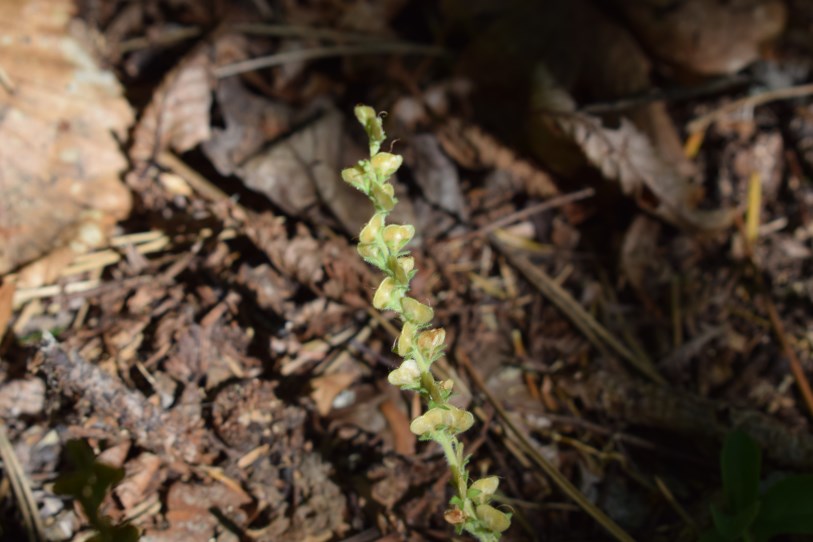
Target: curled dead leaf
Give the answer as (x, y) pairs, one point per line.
(177, 117)
(626, 155)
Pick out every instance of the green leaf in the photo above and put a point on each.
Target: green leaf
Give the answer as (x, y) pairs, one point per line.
(733, 526)
(740, 464)
(89, 482)
(787, 508)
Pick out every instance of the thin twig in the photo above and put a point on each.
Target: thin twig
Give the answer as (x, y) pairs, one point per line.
(299, 31)
(701, 123)
(678, 94)
(546, 205)
(314, 53)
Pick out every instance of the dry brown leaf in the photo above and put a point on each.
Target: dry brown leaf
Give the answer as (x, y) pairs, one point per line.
(177, 117)
(626, 155)
(190, 508)
(403, 440)
(142, 479)
(283, 173)
(436, 174)
(7, 289)
(22, 398)
(473, 148)
(326, 388)
(639, 253)
(706, 36)
(251, 121)
(62, 116)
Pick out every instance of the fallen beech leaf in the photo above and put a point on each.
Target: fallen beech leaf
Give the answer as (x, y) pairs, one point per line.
(178, 115)
(62, 116)
(706, 36)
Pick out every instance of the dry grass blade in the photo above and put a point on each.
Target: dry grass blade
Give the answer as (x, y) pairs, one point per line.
(324, 52)
(593, 330)
(19, 485)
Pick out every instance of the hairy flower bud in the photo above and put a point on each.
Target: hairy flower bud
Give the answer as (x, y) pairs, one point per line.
(435, 419)
(408, 375)
(483, 489)
(397, 236)
(385, 164)
(383, 196)
(372, 125)
(370, 253)
(405, 339)
(416, 312)
(370, 231)
(356, 177)
(387, 295)
(403, 269)
(493, 519)
(431, 343)
(407, 264)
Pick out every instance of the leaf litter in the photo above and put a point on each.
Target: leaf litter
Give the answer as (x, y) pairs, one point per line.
(216, 340)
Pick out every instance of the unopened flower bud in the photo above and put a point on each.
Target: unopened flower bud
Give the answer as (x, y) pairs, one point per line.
(383, 196)
(483, 489)
(371, 229)
(364, 114)
(386, 295)
(404, 344)
(407, 264)
(492, 519)
(397, 236)
(447, 385)
(385, 164)
(372, 125)
(431, 343)
(370, 253)
(436, 419)
(403, 268)
(416, 312)
(407, 375)
(355, 177)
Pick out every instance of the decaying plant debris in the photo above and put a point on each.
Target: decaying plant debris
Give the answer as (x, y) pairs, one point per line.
(616, 238)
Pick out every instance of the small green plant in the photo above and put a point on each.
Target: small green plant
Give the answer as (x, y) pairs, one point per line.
(88, 484)
(786, 507)
(420, 345)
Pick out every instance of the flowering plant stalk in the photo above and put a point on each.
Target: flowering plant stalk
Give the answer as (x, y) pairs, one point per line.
(420, 345)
